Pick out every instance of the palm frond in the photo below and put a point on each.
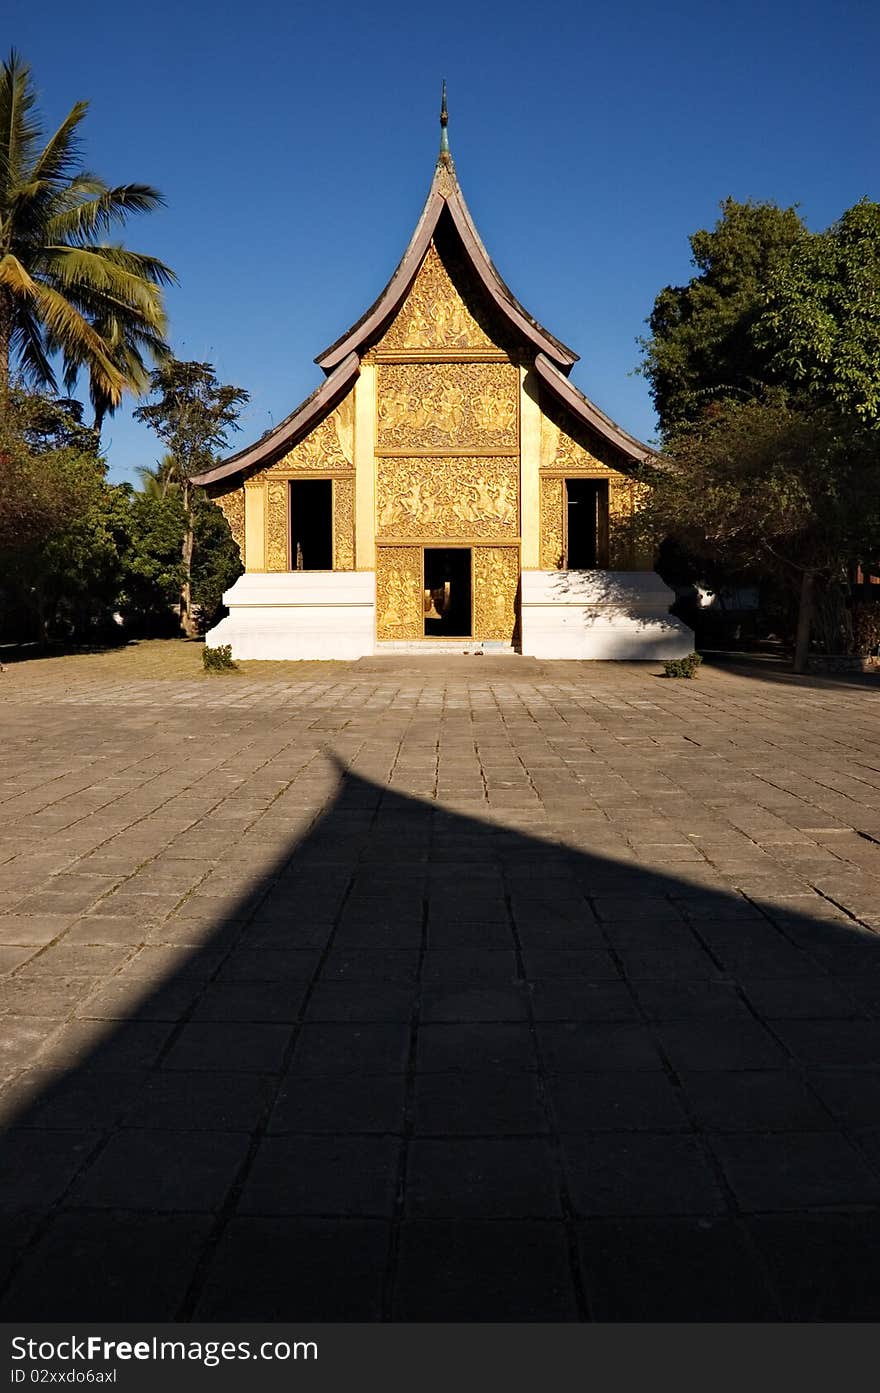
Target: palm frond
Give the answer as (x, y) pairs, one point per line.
(31, 351)
(19, 128)
(99, 214)
(82, 270)
(15, 278)
(60, 155)
(69, 331)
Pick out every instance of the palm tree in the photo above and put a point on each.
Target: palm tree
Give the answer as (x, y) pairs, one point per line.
(64, 291)
(160, 480)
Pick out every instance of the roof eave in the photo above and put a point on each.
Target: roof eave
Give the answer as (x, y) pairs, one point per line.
(445, 192)
(286, 434)
(636, 451)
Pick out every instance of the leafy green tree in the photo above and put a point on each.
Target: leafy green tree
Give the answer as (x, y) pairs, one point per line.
(216, 561)
(192, 414)
(762, 485)
(151, 566)
(59, 524)
(821, 323)
(63, 290)
(702, 347)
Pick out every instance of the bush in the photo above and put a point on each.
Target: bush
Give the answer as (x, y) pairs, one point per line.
(218, 659)
(683, 667)
(866, 628)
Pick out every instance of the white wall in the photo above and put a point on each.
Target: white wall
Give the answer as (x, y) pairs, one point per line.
(299, 614)
(600, 614)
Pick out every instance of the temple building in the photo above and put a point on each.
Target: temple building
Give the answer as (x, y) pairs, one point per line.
(445, 487)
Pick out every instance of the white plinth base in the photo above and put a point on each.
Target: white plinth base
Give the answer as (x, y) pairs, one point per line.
(600, 614)
(296, 615)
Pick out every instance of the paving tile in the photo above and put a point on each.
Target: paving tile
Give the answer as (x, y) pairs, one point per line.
(370, 965)
(579, 1046)
(478, 1271)
(337, 1274)
(374, 1103)
(682, 1001)
(200, 1100)
(478, 1104)
(254, 1002)
(637, 1173)
(673, 1270)
(487, 1178)
(752, 1100)
(37, 1166)
(106, 1046)
(333, 1049)
(219, 1044)
(361, 1001)
(472, 1047)
(795, 1171)
(851, 1095)
(720, 1044)
(616, 1101)
(825, 1267)
(490, 967)
(851, 1044)
(554, 999)
(155, 1170)
(323, 1175)
(83, 1270)
(83, 1099)
(458, 1001)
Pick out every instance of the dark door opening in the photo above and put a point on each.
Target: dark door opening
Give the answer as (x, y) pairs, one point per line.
(311, 525)
(447, 592)
(585, 514)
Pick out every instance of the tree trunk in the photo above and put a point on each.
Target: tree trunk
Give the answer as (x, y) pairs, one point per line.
(5, 346)
(804, 622)
(187, 620)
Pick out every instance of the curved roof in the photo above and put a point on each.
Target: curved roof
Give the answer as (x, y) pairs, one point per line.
(445, 194)
(285, 435)
(582, 408)
(341, 361)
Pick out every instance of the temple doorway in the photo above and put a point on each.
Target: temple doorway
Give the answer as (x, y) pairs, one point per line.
(587, 520)
(448, 592)
(311, 525)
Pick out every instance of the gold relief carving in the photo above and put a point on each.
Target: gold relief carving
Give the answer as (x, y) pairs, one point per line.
(448, 498)
(343, 524)
(330, 446)
(399, 593)
(232, 507)
(496, 579)
(437, 405)
(626, 547)
(434, 315)
(560, 451)
(552, 524)
(277, 525)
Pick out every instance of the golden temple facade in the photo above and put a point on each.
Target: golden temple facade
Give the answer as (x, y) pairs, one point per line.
(444, 458)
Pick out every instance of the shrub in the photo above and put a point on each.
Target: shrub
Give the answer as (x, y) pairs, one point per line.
(866, 628)
(218, 659)
(683, 667)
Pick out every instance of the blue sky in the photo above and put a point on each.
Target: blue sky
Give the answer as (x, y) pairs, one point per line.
(295, 145)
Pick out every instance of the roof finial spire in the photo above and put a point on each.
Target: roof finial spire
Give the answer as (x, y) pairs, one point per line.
(444, 122)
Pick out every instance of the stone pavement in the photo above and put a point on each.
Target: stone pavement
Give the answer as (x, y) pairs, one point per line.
(423, 990)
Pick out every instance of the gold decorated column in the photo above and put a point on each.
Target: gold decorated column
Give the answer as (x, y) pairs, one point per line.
(255, 524)
(530, 466)
(365, 468)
